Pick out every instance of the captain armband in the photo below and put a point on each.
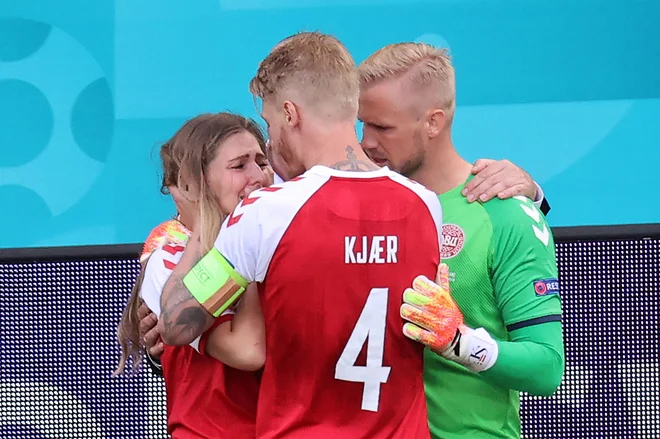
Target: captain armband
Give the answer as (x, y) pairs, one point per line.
(214, 283)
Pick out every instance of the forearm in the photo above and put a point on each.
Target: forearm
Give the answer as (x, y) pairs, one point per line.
(248, 321)
(244, 345)
(532, 362)
(182, 317)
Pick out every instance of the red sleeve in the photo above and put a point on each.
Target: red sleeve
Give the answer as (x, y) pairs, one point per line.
(205, 336)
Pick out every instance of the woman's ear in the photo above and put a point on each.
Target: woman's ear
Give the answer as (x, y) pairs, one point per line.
(188, 210)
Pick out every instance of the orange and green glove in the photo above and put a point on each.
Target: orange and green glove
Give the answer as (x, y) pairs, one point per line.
(168, 232)
(436, 321)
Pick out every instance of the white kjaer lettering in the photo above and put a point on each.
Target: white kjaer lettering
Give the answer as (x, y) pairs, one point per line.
(542, 233)
(374, 250)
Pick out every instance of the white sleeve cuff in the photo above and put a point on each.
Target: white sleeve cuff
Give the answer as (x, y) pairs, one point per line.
(539, 195)
(474, 349)
(155, 363)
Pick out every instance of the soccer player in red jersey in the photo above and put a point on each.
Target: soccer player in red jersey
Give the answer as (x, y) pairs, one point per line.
(220, 159)
(332, 251)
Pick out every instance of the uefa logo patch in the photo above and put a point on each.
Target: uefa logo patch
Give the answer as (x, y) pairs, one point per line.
(546, 287)
(453, 240)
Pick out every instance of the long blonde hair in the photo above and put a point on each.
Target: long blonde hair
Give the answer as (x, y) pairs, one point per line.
(128, 330)
(185, 160)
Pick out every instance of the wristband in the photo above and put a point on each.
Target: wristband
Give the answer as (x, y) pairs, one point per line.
(474, 349)
(153, 362)
(214, 283)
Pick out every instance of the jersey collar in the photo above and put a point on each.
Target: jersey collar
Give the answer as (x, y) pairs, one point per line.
(330, 172)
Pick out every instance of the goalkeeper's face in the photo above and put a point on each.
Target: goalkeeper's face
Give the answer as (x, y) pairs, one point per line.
(392, 132)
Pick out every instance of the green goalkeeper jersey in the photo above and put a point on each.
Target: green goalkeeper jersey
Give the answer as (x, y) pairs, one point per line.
(503, 276)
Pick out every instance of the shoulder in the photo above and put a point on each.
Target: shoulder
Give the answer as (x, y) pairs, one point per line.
(518, 217)
(251, 233)
(417, 188)
(419, 191)
(513, 212)
(157, 270)
(287, 196)
(161, 263)
(166, 256)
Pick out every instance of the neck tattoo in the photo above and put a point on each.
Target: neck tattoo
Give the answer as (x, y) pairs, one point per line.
(353, 164)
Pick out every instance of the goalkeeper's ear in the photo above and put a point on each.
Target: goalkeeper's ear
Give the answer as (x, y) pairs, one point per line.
(442, 276)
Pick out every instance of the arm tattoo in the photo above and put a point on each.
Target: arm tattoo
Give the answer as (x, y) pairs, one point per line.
(353, 164)
(183, 317)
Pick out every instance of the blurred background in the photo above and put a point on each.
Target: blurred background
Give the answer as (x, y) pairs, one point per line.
(569, 90)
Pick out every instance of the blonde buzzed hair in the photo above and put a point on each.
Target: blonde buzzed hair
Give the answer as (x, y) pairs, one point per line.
(426, 68)
(317, 69)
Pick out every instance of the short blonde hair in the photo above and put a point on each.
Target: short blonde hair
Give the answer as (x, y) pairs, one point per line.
(317, 68)
(427, 69)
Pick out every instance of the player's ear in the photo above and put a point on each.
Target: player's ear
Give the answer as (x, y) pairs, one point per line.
(291, 114)
(435, 122)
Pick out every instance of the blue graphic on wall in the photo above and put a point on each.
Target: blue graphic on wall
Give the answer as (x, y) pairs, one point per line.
(88, 92)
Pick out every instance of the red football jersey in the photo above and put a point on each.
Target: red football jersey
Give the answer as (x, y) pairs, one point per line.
(334, 252)
(205, 398)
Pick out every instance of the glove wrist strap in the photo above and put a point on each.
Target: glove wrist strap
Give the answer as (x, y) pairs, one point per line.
(473, 348)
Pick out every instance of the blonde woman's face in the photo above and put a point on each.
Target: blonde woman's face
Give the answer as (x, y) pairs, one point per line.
(238, 168)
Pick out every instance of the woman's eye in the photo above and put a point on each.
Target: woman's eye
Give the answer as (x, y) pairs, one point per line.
(241, 166)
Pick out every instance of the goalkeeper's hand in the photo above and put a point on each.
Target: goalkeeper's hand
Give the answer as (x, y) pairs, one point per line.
(168, 232)
(436, 321)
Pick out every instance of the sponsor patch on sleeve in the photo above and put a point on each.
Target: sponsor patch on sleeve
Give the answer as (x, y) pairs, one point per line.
(545, 287)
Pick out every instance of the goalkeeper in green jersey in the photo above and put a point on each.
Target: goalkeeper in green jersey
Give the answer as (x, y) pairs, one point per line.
(500, 331)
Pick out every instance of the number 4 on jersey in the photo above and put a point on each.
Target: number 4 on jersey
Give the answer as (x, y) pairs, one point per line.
(370, 329)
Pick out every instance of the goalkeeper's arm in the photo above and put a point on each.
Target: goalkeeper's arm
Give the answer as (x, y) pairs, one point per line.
(533, 361)
(524, 276)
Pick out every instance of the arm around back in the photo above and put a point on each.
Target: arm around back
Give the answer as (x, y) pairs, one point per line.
(240, 342)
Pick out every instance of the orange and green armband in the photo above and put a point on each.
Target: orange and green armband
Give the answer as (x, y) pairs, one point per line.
(214, 283)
